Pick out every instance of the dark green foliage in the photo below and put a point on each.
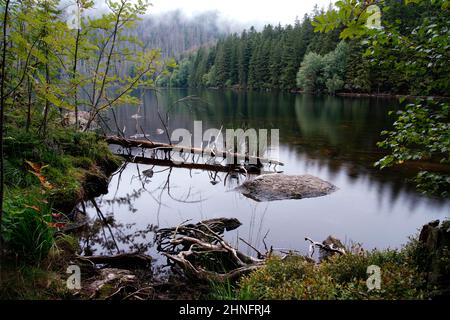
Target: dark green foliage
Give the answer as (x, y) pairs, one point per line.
(324, 73)
(358, 73)
(271, 58)
(43, 175)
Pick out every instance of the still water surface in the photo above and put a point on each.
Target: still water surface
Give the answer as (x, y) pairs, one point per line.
(332, 138)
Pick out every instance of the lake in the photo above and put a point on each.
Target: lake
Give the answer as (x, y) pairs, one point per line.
(333, 138)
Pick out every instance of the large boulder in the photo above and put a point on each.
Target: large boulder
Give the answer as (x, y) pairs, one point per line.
(271, 187)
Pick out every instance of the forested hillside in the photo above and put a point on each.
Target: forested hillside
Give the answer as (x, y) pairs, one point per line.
(175, 33)
(295, 57)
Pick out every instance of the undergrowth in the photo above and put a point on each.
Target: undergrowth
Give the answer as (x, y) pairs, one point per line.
(341, 277)
(45, 176)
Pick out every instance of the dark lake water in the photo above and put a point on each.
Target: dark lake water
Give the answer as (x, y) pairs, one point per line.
(332, 138)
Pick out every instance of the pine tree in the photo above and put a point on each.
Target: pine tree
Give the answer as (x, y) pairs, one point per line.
(244, 56)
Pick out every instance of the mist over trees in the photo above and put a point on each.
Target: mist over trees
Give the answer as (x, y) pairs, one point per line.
(174, 33)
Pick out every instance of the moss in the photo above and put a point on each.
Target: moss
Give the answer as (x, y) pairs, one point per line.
(85, 163)
(71, 162)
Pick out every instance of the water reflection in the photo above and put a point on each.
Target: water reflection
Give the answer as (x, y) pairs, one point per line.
(329, 137)
(159, 189)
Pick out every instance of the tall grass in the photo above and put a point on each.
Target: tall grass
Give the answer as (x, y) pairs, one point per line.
(26, 228)
(229, 291)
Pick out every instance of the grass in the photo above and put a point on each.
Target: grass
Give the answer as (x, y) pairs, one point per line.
(26, 225)
(228, 291)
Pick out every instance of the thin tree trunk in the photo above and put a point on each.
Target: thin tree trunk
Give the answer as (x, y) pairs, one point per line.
(30, 86)
(108, 62)
(47, 82)
(77, 40)
(2, 118)
(47, 103)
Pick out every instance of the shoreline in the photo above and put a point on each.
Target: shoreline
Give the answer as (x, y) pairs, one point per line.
(339, 94)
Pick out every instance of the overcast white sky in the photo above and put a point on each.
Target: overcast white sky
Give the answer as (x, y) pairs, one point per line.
(272, 11)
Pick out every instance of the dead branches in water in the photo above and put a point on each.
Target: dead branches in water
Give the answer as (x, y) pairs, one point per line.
(200, 251)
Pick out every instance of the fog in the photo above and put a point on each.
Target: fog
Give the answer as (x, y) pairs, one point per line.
(245, 11)
(234, 14)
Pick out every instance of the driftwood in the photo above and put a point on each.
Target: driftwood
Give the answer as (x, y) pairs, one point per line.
(129, 143)
(327, 248)
(202, 253)
(207, 231)
(126, 260)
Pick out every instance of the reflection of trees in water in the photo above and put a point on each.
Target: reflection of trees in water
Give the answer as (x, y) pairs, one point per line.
(110, 236)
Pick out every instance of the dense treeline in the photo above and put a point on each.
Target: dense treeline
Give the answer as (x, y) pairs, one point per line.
(262, 60)
(296, 57)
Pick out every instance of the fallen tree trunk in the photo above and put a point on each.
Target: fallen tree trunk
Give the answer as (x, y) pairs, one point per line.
(126, 260)
(198, 166)
(129, 143)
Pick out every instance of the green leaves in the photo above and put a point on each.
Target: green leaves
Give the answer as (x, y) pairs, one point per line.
(328, 21)
(421, 133)
(350, 14)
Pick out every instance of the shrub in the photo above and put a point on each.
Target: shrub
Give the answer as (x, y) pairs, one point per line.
(340, 277)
